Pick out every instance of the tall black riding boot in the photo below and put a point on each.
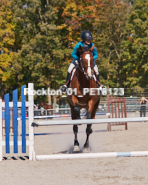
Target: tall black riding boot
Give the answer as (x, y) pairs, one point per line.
(67, 78)
(64, 87)
(98, 79)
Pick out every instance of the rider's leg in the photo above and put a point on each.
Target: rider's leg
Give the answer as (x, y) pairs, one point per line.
(96, 71)
(72, 65)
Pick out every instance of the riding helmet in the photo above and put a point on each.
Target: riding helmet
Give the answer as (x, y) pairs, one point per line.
(86, 35)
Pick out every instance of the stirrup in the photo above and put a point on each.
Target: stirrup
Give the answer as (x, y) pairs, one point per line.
(103, 90)
(63, 88)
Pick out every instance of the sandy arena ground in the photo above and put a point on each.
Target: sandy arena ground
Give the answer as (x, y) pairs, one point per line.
(101, 171)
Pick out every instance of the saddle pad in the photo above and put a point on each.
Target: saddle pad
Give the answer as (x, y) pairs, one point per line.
(73, 72)
(94, 77)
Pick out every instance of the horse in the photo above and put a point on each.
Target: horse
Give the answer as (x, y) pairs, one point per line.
(46, 106)
(83, 77)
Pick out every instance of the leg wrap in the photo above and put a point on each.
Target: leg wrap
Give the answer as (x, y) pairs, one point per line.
(77, 110)
(88, 115)
(89, 129)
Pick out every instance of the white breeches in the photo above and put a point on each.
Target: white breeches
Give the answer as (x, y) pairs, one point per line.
(96, 70)
(72, 66)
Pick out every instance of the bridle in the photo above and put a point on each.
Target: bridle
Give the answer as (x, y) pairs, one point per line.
(82, 69)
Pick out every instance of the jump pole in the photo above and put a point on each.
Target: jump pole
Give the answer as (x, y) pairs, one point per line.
(92, 155)
(89, 121)
(66, 115)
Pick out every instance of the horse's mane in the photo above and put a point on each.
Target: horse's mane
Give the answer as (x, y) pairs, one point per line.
(80, 52)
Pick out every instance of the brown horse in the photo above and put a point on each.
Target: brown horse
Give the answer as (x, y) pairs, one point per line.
(83, 78)
(46, 106)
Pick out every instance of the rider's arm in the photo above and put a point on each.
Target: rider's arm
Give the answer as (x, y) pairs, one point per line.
(74, 52)
(95, 54)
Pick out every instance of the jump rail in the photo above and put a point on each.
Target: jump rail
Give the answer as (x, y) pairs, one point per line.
(92, 155)
(88, 121)
(67, 115)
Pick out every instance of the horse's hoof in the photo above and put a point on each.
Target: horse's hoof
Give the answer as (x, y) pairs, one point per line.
(86, 150)
(76, 148)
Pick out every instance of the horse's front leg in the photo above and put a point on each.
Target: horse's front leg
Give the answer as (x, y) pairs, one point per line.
(75, 131)
(76, 107)
(88, 132)
(76, 143)
(89, 129)
(75, 113)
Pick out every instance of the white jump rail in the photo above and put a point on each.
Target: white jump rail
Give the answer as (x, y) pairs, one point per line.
(92, 155)
(89, 121)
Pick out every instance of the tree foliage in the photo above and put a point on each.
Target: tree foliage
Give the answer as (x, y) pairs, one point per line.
(109, 32)
(7, 40)
(135, 56)
(38, 36)
(41, 55)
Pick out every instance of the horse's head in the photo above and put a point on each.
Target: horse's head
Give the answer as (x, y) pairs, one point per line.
(42, 104)
(86, 61)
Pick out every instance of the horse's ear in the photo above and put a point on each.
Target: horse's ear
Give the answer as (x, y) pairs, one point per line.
(92, 48)
(80, 48)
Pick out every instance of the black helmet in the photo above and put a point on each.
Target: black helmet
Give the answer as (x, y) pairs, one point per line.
(86, 35)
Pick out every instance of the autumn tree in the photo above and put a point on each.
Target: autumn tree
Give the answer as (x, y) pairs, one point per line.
(135, 56)
(41, 55)
(106, 20)
(109, 28)
(7, 39)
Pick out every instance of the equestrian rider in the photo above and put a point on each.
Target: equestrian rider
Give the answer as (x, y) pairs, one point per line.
(86, 37)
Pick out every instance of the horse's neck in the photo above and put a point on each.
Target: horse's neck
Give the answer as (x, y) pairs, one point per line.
(84, 83)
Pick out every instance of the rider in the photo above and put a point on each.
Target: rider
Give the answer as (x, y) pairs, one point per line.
(86, 37)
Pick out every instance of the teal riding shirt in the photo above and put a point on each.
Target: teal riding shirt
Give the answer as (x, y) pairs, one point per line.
(74, 52)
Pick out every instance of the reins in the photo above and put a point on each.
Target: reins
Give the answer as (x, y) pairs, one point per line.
(82, 69)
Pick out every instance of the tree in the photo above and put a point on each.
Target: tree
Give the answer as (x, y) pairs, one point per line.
(77, 17)
(41, 55)
(7, 39)
(135, 56)
(106, 20)
(109, 28)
